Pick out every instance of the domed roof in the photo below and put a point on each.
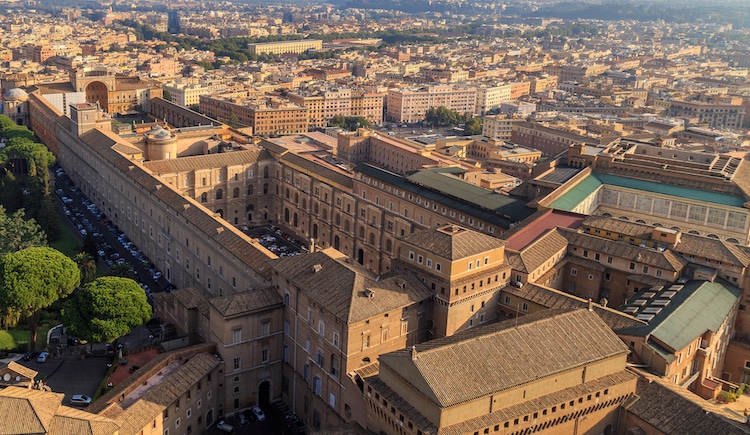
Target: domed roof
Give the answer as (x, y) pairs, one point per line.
(163, 134)
(15, 94)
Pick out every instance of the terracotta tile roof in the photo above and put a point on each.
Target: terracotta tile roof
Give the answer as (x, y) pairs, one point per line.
(247, 302)
(676, 411)
(519, 349)
(619, 226)
(553, 298)
(253, 254)
(22, 370)
(538, 252)
(32, 410)
(453, 242)
(522, 235)
(70, 421)
(717, 250)
(220, 160)
(666, 260)
(346, 289)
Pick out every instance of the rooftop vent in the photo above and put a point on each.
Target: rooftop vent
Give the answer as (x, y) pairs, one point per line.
(317, 268)
(369, 293)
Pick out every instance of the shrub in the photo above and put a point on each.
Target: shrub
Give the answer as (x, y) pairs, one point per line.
(726, 397)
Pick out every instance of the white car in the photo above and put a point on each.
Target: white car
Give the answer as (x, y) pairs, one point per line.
(257, 413)
(80, 400)
(225, 427)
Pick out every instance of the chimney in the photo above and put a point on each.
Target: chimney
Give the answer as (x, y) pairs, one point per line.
(413, 353)
(591, 305)
(312, 245)
(317, 268)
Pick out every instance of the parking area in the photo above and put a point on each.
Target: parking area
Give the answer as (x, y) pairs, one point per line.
(274, 423)
(276, 240)
(69, 374)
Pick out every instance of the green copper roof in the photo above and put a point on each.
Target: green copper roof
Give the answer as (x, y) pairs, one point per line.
(570, 200)
(577, 194)
(666, 189)
(695, 307)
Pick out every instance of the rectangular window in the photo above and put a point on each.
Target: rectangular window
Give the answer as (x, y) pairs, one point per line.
(438, 267)
(236, 363)
(336, 339)
(321, 327)
(419, 259)
(265, 328)
(264, 355)
(236, 335)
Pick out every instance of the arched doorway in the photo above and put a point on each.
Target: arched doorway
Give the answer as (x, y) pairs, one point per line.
(264, 394)
(360, 256)
(97, 92)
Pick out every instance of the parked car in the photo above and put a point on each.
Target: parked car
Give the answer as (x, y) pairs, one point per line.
(257, 413)
(225, 427)
(28, 355)
(241, 418)
(80, 400)
(42, 357)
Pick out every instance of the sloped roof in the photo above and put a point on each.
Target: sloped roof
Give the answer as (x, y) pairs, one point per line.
(338, 284)
(696, 307)
(676, 411)
(32, 410)
(218, 160)
(519, 351)
(246, 302)
(538, 252)
(453, 242)
(70, 421)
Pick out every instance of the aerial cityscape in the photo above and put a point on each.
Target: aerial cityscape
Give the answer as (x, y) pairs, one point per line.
(357, 217)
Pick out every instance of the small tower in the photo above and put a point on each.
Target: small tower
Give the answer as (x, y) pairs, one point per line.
(16, 106)
(160, 144)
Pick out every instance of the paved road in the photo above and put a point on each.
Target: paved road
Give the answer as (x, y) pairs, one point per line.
(70, 374)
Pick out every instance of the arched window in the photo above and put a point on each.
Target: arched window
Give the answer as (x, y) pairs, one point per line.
(287, 193)
(338, 219)
(372, 238)
(295, 222)
(250, 189)
(219, 194)
(265, 189)
(315, 207)
(236, 192)
(346, 226)
(286, 215)
(336, 242)
(325, 214)
(296, 197)
(265, 172)
(388, 245)
(304, 204)
(315, 231)
(204, 197)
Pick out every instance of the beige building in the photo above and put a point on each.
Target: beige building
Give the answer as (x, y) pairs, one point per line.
(281, 47)
(578, 388)
(410, 106)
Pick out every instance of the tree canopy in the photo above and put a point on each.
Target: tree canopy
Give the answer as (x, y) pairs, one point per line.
(33, 279)
(443, 116)
(350, 123)
(105, 309)
(17, 233)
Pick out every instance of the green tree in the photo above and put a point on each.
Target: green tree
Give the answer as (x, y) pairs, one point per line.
(105, 309)
(86, 265)
(473, 126)
(17, 233)
(33, 279)
(122, 270)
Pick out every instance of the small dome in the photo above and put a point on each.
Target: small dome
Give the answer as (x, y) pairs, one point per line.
(15, 94)
(164, 134)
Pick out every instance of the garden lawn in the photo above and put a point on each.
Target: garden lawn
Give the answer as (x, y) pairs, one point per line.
(68, 244)
(10, 338)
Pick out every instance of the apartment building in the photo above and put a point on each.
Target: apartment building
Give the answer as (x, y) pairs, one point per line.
(410, 106)
(266, 115)
(325, 104)
(499, 126)
(113, 93)
(188, 94)
(491, 97)
(716, 115)
(281, 47)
